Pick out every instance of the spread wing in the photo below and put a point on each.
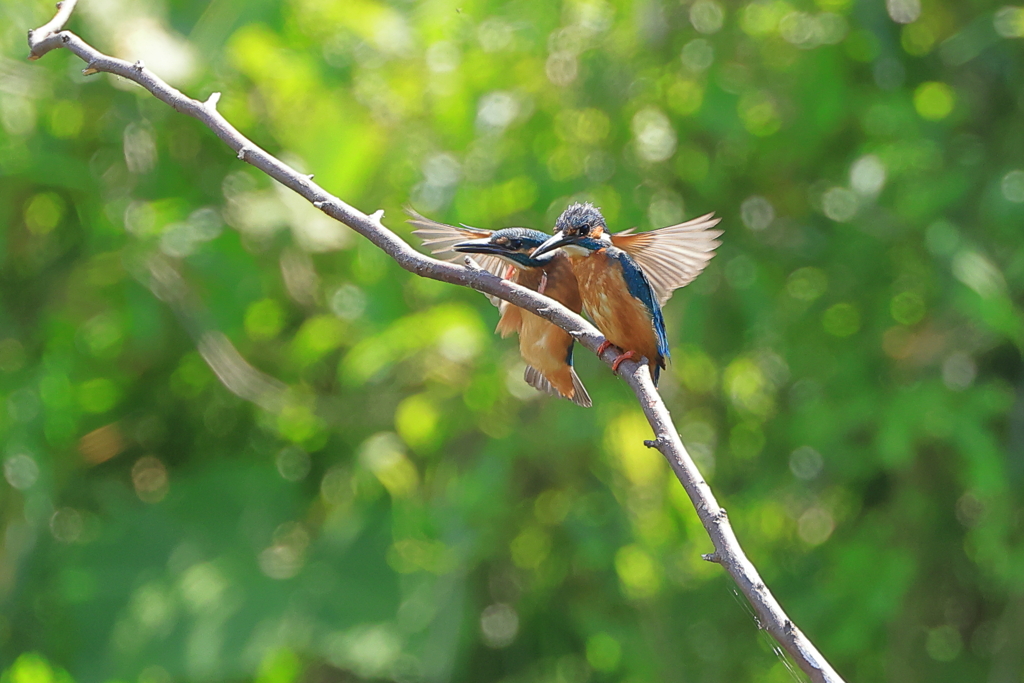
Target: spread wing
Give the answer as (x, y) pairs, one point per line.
(671, 257)
(441, 237)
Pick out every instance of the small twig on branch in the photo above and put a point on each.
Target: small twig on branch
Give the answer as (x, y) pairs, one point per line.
(728, 552)
(44, 38)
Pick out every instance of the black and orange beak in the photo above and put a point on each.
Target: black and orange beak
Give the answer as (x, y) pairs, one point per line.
(484, 245)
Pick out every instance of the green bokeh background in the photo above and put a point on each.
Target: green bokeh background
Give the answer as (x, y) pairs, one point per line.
(378, 496)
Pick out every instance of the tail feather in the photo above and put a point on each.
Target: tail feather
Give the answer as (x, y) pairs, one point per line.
(539, 382)
(579, 392)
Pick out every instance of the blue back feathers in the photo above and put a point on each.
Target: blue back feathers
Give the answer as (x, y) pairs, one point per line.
(640, 288)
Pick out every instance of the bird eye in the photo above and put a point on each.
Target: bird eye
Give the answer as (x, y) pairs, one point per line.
(514, 245)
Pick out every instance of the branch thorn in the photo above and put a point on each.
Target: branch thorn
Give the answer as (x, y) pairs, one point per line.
(310, 176)
(472, 264)
(90, 69)
(139, 66)
(242, 151)
(712, 557)
(212, 100)
(319, 205)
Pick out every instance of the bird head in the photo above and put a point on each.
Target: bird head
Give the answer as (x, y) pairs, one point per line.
(512, 245)
(579, 231)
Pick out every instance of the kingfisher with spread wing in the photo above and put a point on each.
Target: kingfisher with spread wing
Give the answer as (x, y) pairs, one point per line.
(625, 278)
(546, 348)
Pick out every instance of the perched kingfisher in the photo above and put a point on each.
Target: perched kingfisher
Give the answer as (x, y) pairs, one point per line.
(625, 278)
(546, 348)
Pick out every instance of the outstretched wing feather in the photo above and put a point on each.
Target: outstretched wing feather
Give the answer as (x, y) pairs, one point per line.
(672, 257)
(441, 237)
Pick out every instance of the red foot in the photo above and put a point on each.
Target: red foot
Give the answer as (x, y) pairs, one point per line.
(618, 361)
(603, 347)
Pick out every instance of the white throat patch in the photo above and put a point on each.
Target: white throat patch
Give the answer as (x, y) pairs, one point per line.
(576, 251)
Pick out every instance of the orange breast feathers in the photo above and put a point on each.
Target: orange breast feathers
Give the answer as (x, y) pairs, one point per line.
(542, 345)
(623, 320)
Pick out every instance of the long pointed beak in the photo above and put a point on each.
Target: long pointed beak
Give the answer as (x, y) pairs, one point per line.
(479, 246)
(554, 242)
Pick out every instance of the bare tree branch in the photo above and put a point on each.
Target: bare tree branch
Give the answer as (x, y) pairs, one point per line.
(728, 552)
(44, 38)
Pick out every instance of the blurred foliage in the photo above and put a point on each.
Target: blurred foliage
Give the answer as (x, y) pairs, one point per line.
(241, 444)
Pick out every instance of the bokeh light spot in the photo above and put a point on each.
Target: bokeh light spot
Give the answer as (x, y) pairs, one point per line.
(637, 571)
(32, 668)
(697, 370)
(384, 455)
(443, 57)
(934, 100)
(624, 439)
(762, 17)
(23, 405)
(1012, 186)
(903, 11)
(416, 421)
(805, 463)
(759, 113)
(958, 371)
(21, 471)
(66, 525)
(149, 477)
(497, 110)
(841, 320)
(264, 319)
(707, 16)
(698, 55)
(531, 547)
(757, 212)
(348, 302)
(1009, 22)
(654, 135)
(840, 204)
(293, 463)
(499, 625)
(685, 96)
(286, 556)
(807, 284)
(98, 395)
(43, 212)
(917, 39)
(562, 68)
(907, 308)
(867, 175)
(552, 506)
(603, 652)
(815, 525)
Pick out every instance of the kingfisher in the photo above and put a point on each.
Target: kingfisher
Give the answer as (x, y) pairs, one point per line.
(546, 348)
(625, 278)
